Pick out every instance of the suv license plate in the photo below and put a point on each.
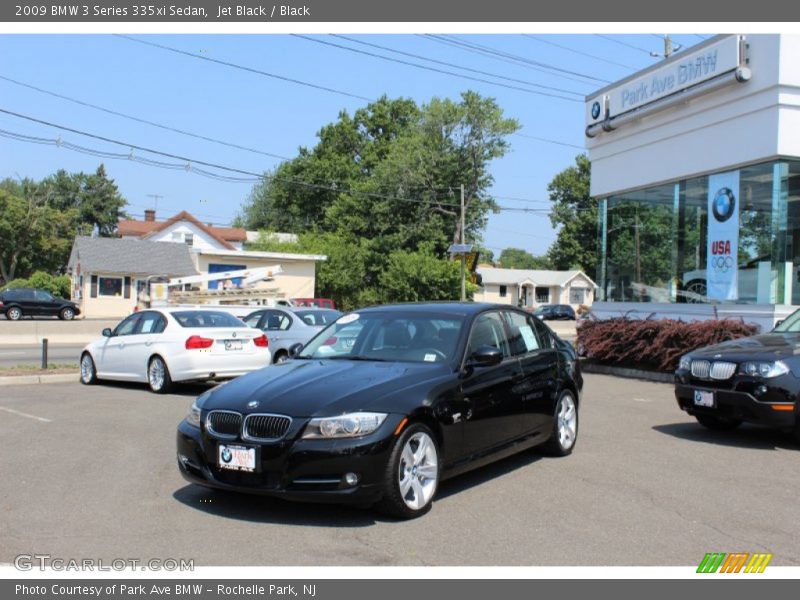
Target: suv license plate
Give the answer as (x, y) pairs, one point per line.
(704, 398)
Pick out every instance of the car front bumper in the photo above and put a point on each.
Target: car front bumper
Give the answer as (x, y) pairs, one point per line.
(739, 405)
(294, 469)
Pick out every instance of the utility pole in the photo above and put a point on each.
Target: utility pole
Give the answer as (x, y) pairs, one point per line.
(463, 255)
(669, 48)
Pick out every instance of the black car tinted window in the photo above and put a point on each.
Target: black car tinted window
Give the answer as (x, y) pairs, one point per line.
(523, 336)
(545, 337)
(488, 330)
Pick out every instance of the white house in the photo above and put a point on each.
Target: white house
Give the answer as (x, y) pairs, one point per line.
(185, 229)
(530, 288)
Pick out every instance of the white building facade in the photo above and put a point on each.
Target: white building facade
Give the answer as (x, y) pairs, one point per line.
(696, 169)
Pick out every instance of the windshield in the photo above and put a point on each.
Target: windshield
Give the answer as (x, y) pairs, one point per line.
(386, 336)
(790, 324)
(318, 317)
(206, 318)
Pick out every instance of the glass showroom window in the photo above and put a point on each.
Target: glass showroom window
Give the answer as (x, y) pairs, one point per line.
(109, 286)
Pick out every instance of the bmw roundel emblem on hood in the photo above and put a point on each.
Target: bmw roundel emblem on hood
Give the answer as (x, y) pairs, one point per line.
(723, 205)
(252, 404)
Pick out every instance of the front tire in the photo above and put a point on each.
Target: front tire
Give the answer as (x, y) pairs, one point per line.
(280, 357)
(412, 474)
(565, 426)
(88, 370)
(14, 313)
(66, 314)
(717, 423)
(158, 376)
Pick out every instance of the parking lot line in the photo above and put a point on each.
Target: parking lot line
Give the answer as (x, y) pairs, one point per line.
(22, 414)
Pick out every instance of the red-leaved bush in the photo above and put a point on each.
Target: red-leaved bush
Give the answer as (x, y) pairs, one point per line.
(653, 343)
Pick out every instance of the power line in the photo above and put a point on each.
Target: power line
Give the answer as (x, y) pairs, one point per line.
(448, 64)
(517, 58)
(579, 52)
(436, 70)
(139, 119)
(244, 68)
(621, 43)
(494, 56)
(549, 141)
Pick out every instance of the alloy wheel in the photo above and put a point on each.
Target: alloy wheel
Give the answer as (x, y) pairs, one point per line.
(567, 422)
(14, 314)
(418, 471)
(156, 373)
(87, 369)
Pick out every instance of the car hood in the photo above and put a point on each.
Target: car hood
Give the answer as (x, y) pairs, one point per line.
(306, 388)
(768, 346)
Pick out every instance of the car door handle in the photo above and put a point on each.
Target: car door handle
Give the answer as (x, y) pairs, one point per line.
(148, 343)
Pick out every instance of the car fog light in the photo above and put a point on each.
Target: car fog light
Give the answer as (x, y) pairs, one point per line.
(760, 390)
(351, 479)
(184, 460)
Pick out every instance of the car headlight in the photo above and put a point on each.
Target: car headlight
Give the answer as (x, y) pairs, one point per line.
(764, 369)
(344, 426)
(685, 363)
(193, 417)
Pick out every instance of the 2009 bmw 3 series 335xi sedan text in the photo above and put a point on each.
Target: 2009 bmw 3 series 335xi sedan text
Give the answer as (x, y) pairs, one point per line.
(386, 402)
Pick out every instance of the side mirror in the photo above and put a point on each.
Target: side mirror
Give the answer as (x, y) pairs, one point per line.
(294, 349)
(107, 332)
(486, 356)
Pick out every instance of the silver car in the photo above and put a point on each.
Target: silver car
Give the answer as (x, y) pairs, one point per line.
(286, 327)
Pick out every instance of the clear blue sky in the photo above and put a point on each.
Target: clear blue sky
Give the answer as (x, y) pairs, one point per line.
(277, 116)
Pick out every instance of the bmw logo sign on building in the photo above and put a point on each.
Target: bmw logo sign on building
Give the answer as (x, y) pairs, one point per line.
(723, 205)
(596, 110)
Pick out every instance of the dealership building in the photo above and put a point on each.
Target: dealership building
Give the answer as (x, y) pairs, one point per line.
(696, 170)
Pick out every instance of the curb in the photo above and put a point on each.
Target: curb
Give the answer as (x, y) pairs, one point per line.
(589, 366)
(36, 379)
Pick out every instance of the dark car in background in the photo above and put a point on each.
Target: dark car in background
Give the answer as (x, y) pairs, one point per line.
(753, 379)
(555, 312)
(16, 303)
(414, 394)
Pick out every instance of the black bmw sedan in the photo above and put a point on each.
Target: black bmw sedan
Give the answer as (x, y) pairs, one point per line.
(386, 402)
(753, 379)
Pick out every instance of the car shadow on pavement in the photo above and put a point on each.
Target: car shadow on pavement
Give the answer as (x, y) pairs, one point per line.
(267, 509)
(746, 436)
(185, 389)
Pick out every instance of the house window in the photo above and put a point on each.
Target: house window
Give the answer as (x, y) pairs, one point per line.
(188, 239)
(503, 291)
(577, 295)
(542, 295)
(109, 286)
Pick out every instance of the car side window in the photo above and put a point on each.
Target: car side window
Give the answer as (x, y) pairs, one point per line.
(151, 322)
(488, 330)
(542, 332)
(523, 337)
(128, 326)
(252, 320)
(276, 321)
(42, 296)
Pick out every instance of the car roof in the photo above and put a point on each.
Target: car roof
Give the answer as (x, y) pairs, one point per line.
(172, 309)
(445, 307)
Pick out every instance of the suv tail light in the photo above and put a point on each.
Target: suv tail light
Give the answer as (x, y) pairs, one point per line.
(261, 341)
(196, 342)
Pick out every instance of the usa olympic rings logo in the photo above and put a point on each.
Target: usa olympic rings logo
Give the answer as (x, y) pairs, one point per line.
(722, 264)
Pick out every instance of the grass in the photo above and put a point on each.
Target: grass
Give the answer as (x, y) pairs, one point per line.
(36, 369)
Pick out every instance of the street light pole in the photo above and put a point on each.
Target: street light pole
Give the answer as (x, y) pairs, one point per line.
(463, 256)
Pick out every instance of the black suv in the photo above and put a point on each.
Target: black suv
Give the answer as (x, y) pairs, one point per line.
(16, 303)
(555, 312)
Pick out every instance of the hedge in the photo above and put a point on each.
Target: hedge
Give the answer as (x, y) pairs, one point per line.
(655, 344)
(57, 285)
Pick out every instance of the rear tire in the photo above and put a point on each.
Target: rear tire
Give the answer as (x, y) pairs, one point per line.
(14, 313)
(280, 357)
(88, 370)
(565, 427)
(717, 423)
(411, 478)
(66, 314)
(158, 376)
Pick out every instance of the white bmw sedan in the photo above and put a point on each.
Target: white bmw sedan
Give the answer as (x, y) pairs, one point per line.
(169, 345)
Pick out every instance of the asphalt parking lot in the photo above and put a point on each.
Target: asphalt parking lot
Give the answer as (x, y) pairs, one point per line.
(90, 472)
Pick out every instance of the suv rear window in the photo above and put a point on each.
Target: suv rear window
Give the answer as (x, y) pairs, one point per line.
(206, 318)
(17, 295)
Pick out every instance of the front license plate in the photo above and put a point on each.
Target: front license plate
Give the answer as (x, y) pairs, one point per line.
(236, 458)
(704, 398)
(233, 344)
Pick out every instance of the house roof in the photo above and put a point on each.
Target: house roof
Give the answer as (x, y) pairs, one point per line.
(131, 257)
(494, 276)
(145, 229)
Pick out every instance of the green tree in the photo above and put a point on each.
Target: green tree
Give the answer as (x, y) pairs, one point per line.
(574, 212)
(420, 276)
(33, 234)
(517, 258)
(96, 199)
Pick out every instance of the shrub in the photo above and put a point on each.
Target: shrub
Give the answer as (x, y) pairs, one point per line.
(56, 285)
(654, 343)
